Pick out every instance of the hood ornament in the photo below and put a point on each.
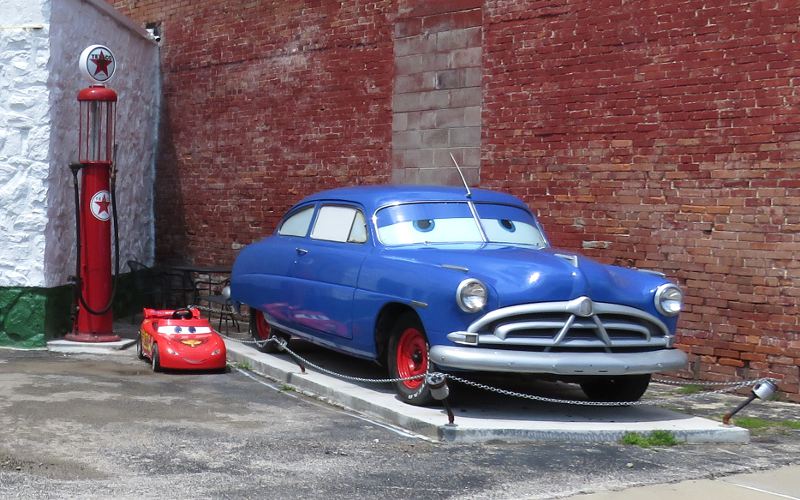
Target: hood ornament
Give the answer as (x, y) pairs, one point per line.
(572, 259)
(583, 307)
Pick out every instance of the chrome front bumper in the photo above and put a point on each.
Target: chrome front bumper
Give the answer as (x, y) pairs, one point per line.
(559, 363)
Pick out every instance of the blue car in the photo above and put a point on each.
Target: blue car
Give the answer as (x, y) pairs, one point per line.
(419, 277)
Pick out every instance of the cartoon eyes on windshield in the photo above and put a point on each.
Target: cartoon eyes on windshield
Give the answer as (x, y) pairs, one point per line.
(508, 225)
(424, 225)
(179, 329)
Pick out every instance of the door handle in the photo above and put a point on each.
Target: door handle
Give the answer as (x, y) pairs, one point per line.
(301, 251)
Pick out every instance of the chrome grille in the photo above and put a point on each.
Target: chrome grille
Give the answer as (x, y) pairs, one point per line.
(579, 324)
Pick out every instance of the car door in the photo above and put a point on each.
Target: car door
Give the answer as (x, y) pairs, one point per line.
(277, 291)
(327, 268)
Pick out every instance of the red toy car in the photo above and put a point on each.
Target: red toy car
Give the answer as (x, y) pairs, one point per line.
(180, 339)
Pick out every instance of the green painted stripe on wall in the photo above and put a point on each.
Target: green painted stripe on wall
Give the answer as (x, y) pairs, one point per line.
(30, 316)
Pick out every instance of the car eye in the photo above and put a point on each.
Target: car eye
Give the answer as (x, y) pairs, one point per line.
(471, 295)
(191, 329)
(668, 299)
(424, 225)
(177, 329)
(508, 225)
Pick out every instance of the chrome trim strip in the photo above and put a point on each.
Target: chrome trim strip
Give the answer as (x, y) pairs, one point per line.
(502, 331)
(563, 332)
(652, 271)
(487, 340)
(602, 333)
(563, 307)
(315, 339)
(492, 340)
(455, 267)
(559, 363)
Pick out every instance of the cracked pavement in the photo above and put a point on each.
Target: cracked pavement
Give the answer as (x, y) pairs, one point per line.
(89, 426)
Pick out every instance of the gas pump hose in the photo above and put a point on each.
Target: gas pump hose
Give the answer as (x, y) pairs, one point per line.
(78, 291)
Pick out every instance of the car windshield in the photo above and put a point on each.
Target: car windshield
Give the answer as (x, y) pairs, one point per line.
(452, 222)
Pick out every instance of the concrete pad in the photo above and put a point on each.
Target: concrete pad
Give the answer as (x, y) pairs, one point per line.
(783, 482)
(766, 485)
(68, 346)
(486, 416)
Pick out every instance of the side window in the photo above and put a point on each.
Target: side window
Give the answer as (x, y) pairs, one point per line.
(342, 224)
(297, 224)
(358, 233)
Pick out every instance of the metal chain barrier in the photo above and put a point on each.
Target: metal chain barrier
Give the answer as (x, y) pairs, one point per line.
(284, 347)
(709, 383)
(579, 402)
(726, 386)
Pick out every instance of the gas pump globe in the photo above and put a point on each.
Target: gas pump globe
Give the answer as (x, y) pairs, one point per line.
(97, 103)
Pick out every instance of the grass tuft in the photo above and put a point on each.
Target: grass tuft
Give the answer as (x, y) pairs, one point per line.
(757, 424)
(690, 389)
(655, 438)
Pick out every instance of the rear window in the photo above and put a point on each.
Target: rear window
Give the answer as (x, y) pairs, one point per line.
(297, 223)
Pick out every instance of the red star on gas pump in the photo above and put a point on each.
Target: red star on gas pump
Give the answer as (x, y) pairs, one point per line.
(101, 62)
(103, 204)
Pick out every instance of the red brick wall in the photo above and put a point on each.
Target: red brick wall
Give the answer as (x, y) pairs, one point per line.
(263, 102)
(662, 135)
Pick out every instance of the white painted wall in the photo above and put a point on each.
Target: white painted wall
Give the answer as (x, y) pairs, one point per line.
(24, 140)
(39, 82)
(74, 25)
(40, 41)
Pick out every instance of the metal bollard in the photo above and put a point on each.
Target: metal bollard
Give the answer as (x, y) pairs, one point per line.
(763, 390)
(282, 346)
(437, 383)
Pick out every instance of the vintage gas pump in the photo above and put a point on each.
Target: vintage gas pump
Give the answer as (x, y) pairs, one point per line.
(95, 202)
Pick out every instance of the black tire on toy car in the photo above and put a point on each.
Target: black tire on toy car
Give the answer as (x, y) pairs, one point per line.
(139, 352)
(616, 388)
(156, 360)
(407, 356)
(261, 331)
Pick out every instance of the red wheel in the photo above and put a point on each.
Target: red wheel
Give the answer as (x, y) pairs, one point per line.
(261, 331)
(407, 357)
(412, 357)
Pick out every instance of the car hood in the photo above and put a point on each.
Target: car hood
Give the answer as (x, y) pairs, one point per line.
(519, 275)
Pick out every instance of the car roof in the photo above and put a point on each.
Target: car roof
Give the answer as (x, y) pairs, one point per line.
(373, 197)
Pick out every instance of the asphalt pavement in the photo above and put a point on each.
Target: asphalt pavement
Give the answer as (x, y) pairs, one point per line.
(103, 426)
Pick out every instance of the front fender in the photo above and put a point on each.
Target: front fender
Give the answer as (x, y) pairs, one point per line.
(427, 288)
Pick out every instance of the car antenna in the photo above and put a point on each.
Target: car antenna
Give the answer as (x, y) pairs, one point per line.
(469, 193)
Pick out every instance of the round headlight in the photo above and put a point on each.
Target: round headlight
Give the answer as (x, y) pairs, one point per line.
(669, 299)
(471, 295)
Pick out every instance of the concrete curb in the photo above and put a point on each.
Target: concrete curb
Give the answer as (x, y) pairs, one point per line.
(67, 346)
(514, 421)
